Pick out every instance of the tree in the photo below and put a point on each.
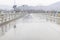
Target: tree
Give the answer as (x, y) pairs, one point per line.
(14, 6)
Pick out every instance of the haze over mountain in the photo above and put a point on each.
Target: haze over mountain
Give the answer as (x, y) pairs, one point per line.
(55, 6)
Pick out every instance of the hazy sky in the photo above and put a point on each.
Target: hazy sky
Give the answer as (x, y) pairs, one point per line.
(28, 2)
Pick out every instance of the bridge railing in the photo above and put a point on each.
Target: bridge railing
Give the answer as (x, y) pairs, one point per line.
(4, 17)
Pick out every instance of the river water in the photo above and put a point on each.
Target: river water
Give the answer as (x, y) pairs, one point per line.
(32, 27)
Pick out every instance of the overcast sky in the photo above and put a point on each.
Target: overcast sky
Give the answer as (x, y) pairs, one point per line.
(28, 2)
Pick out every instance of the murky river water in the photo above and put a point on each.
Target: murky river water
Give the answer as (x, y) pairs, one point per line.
(6, 27)
(34, 27)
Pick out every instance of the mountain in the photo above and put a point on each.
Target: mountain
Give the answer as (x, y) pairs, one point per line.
(55, 6)
(26, 7)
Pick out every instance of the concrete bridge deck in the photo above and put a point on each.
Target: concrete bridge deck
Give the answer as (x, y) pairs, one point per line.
(32, 27)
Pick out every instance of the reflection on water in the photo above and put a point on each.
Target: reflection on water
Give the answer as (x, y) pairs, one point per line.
(6, 27)
(50, 18)
(58, 21)
(27, 19)
(55, 20)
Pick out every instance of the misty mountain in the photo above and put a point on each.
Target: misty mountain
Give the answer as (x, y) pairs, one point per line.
(26, 7)
(55, 6)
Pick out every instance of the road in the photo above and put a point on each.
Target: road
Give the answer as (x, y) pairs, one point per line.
(32, 27)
